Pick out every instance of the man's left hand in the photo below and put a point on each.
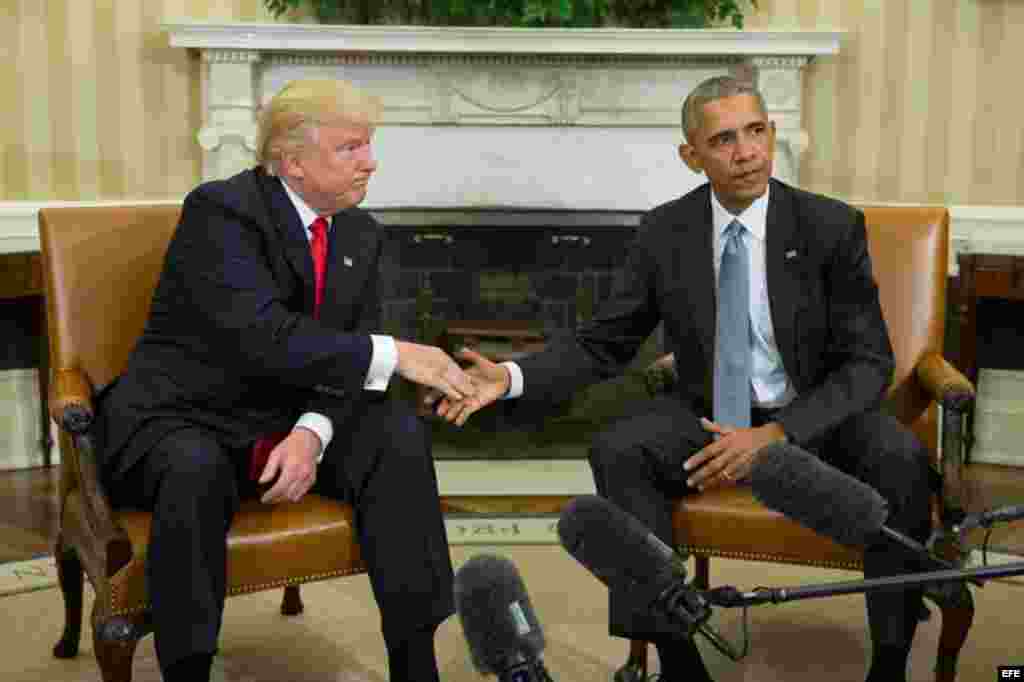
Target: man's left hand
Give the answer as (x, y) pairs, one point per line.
(293, 461)
(730, 456)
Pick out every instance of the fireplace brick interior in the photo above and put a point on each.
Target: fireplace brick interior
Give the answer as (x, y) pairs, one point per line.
(524, 270)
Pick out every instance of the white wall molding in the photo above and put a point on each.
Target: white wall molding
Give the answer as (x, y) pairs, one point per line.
(19, 422)
(19, 220)
(977, 229)
(986, 229)
(999, 417)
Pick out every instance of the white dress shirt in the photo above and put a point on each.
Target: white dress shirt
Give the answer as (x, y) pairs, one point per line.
(383, 360)
(770, 386)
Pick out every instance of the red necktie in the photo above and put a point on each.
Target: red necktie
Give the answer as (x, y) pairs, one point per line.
(318, 247)
(262, 448)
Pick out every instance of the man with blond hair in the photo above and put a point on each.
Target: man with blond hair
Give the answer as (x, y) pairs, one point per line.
(258, 373)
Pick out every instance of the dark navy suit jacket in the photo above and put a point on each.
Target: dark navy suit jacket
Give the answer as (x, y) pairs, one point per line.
(230, 343)
(824, 303)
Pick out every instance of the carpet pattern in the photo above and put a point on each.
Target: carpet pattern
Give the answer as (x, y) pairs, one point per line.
(27, 576)
(338, 639)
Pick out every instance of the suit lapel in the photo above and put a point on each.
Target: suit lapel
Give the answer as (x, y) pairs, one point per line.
(348, 260)
(292, 234)
(785, 257)
(703, 283)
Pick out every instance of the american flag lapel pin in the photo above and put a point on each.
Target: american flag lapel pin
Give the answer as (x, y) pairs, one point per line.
(347, 261)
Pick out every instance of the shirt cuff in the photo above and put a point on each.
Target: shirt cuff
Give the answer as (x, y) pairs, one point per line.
(383, 362)
(515, 386)
(321, 426)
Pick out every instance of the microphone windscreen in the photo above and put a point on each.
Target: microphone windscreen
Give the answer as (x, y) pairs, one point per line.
(497, 617)
(792, 481)
(617, 548)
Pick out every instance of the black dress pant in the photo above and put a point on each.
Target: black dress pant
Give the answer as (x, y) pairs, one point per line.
(638, 464)
(379, 460)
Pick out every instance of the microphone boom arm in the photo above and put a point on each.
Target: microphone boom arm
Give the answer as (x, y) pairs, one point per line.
(731, 597)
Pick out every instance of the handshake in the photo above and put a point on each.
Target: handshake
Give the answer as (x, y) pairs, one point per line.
(452, 392)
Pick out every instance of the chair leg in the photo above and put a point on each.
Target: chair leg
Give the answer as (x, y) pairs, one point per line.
(635, 668)
(71, 578)
(114, 642)
(957, 606)
(702, 572)
(291, 603)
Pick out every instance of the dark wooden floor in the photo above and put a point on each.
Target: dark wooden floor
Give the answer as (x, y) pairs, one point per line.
(28, 508)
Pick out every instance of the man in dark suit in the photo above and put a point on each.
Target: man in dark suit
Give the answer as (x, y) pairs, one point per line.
(807, 342)
(259, 340)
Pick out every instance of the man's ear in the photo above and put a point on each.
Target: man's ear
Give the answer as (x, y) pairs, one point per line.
(689, 156)
(289, 165)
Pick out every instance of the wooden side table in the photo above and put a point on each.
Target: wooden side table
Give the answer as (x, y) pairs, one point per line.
(21, 276)
(982, 275)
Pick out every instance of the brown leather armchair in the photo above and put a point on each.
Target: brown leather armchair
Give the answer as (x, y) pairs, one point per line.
(909, 251)
(101, 265)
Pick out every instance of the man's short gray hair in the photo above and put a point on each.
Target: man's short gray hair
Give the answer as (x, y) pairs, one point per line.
(711, 90)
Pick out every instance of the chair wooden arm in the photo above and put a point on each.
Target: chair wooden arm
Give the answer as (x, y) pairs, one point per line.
(101, 538)
(661, 376)
(71, 400)
(944, 382)
(88, 517)
(955, 394)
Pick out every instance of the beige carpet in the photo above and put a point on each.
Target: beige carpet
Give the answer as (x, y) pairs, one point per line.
(337, 639)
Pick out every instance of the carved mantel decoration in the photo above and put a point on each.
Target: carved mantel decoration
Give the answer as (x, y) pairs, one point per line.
(578, 118)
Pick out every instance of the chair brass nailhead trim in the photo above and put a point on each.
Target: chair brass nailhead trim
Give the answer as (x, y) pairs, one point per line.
(246, 589)
(775, 558)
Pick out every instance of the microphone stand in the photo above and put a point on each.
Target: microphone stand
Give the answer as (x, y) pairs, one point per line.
(731, 597)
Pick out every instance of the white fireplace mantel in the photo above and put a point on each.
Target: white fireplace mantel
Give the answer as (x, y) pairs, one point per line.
(580, 118)
(497, 40)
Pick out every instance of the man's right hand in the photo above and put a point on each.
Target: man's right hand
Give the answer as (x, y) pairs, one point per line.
(432, 367)
(492, 381)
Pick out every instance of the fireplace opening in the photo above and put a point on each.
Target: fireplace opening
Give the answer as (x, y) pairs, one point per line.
(505, 281)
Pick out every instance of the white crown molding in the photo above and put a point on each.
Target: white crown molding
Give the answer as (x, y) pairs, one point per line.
(978, 228)
(496, 40)
(988, 229)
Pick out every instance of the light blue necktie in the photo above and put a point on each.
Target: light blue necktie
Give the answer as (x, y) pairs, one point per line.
(732, 335)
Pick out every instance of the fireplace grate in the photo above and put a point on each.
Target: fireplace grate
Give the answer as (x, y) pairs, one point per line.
(505, 281)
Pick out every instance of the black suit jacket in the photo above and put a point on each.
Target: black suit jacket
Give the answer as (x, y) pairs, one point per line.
(230, 343)
(824, 303)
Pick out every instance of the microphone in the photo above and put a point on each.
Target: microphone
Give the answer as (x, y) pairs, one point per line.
(498, 621)
(624, 554)
(790, 480)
